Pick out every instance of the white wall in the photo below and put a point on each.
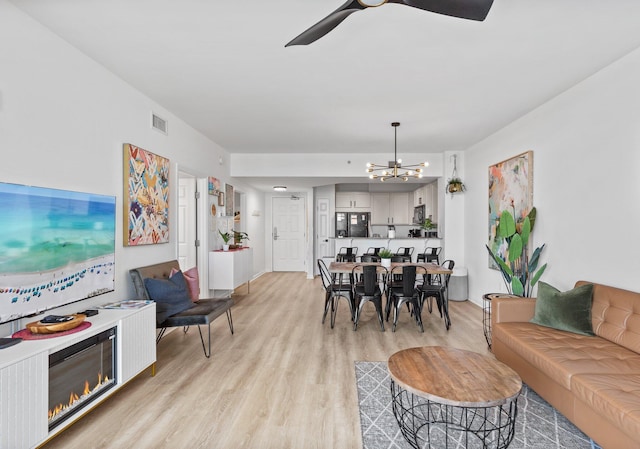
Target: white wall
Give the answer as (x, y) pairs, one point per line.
(63, 121)
(586, 153)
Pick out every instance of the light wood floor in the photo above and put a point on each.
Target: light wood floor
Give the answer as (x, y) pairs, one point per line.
(284, 380)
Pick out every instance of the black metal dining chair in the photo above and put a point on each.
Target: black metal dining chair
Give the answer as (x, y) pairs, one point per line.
(368, 291)
(404, 293)
(439, 291)
(333, 291)
(370, 258)
(372, 251)
(356, 279)
(406, 251)
(430, 254)
(396, 279)
(347, 254)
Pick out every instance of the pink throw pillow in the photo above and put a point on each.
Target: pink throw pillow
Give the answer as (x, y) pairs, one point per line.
(193, 281)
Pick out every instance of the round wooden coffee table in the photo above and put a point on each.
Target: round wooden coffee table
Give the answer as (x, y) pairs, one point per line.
(445, 397)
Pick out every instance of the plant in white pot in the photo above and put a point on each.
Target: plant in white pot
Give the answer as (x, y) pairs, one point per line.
(226, 236)
(385, 257)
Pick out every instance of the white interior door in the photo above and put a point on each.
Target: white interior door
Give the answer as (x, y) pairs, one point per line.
(289, 233)
(187, 222)
(324, 248)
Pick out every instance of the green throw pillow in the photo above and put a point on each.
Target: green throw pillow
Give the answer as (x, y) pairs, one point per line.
(566, 311)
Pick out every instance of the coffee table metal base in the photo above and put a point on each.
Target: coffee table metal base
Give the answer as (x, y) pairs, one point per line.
(428, 424)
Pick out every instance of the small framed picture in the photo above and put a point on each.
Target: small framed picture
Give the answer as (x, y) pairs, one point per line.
(220, 199)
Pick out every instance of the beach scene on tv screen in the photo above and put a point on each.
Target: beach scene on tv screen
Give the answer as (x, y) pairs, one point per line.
(56, 247)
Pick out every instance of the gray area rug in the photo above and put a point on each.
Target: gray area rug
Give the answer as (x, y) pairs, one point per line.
(538, 425)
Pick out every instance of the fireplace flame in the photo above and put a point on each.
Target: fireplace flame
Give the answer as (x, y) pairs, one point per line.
(75, 398)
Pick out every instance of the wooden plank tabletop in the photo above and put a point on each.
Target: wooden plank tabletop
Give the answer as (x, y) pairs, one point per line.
(454, 376)
(347, 267)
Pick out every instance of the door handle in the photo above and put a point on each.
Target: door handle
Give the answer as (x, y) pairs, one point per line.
(275, 233)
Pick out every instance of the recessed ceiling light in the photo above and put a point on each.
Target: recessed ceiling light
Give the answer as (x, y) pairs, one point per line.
(280, 188)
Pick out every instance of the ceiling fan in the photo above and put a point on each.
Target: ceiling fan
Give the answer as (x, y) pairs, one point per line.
(464, 9)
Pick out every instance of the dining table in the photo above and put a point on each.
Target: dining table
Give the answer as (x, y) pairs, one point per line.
(421, 267)
(339, 269)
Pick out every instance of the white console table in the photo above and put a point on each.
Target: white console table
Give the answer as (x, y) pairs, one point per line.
(24, 377)
(230, 269)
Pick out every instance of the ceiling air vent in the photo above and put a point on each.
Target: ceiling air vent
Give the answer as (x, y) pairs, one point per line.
(159, 123)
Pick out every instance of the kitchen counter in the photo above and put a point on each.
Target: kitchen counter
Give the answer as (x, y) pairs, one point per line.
(387, 238)
(364, 243)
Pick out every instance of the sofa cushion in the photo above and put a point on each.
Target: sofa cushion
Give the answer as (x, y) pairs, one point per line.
(171, 295)
(568, 311)
(193, 281)
(203, 312)
(615, 315)
(561, 355)
(614, 396)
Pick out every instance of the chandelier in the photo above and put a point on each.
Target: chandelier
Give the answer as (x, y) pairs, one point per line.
(394, 168)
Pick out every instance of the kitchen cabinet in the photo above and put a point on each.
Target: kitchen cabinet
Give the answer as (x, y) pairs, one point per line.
(431, 201)
(391, 208)
(353, 201)
(419, 196)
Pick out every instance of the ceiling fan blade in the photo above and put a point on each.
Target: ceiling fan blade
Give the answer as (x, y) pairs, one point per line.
(464, 9)
(327, 24)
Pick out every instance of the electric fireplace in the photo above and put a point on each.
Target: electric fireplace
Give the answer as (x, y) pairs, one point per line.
(79, 374)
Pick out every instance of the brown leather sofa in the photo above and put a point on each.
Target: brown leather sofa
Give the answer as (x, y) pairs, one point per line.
(592, 380)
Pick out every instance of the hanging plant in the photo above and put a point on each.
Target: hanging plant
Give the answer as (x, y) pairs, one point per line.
(455, 184)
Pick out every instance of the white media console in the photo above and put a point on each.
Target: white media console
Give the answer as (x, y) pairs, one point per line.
(24, 377)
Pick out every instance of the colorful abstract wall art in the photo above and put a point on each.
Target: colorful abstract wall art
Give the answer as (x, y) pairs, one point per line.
(510, 188)
(214, 186)
(146, 204)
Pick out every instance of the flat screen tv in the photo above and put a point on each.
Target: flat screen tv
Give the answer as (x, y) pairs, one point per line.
(56, 247)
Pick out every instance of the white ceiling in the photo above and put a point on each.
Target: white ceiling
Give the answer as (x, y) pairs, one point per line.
(222, 66)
